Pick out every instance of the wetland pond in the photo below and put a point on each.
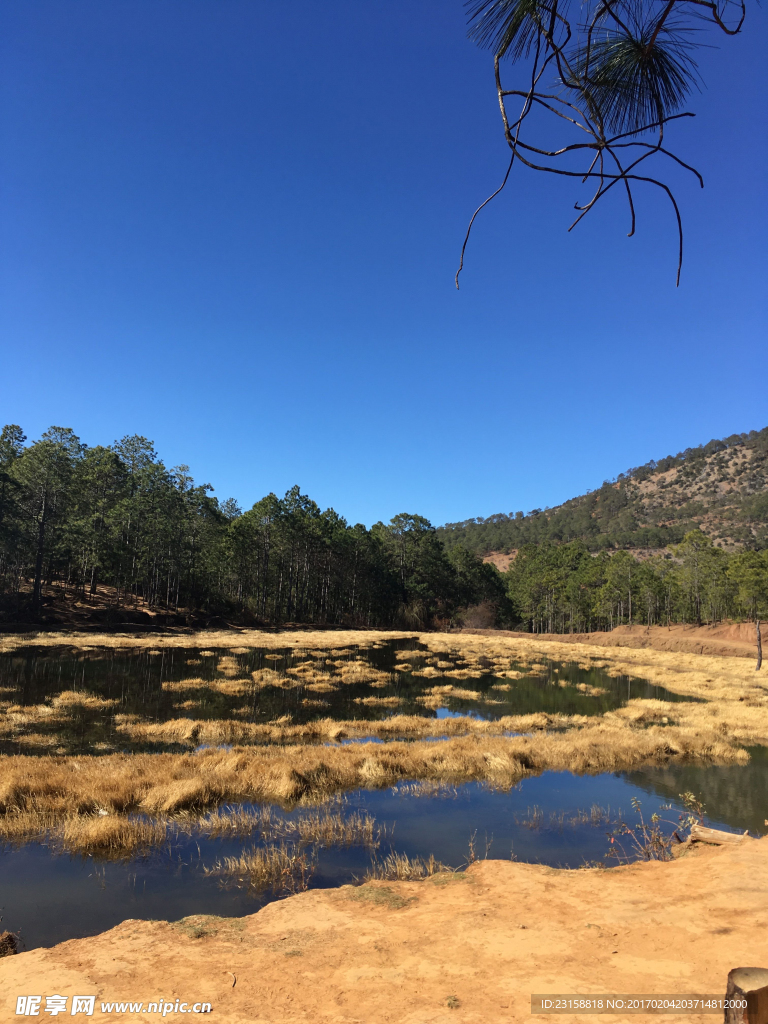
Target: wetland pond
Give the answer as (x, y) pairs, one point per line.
(556, 818)
(262, 686)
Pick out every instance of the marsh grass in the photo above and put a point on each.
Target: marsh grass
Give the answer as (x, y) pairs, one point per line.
(192, 732)
(436, 696)
(211, 642)
(383, 702)
(20, 826)
(324, 829)
(229, 822)
(399, 867)
(319, 828)
(282, 870)
(431, 788)
(596, 816)
(58, 799)
(111, 836)
(736, 701)
(101, 835)
(166, 784)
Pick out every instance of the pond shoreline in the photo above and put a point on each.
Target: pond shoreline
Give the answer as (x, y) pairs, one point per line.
(379, 952)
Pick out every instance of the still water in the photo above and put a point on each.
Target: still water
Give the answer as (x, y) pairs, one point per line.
(48, 898)
(157, 686)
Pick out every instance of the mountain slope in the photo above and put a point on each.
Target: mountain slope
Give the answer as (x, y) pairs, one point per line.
(721, 487)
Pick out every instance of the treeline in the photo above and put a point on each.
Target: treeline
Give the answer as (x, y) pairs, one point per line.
(114, 523)
(564, 588)
(615, 515)
(116, 520)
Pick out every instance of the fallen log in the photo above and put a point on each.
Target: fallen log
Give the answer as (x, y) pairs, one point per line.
(700, 834)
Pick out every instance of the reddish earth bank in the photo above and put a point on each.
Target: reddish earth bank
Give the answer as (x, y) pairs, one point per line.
(727, 639)
(466, 948)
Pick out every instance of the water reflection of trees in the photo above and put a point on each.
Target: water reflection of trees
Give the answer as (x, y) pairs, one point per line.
(734, 795)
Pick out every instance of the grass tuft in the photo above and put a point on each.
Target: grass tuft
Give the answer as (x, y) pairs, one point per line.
(399, 867)
(282, 869)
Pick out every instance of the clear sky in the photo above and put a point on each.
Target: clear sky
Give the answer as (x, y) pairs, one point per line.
(232, 226)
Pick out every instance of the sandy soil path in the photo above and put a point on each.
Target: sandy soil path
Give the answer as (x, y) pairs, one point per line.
(466, 948)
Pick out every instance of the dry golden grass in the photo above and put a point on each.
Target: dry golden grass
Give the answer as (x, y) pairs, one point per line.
(228, 666)
(194, 733)
(436, 696)
(280, 869)
(708, 676)
(383, 702)
(111, 836)
(229, 687)
(20, 826)
(77, 700)
(180, 685)
(737, 697)
(9, 944)
(399, 867)
(102, 835)
(322, 641)
(288, 764)
(326, 829)
(359, 671)
(319, 828)
(166, 784)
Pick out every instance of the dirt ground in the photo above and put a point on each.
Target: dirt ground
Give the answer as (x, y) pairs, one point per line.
(471, 947)
(734, 640)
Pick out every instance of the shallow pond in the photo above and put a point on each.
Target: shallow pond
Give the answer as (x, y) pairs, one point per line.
(263, 685)
(549, 819)
(556, 818)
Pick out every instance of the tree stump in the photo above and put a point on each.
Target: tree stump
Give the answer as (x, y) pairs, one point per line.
(750, 983)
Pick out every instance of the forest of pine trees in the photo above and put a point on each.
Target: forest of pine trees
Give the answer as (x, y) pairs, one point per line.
(116, 518)
(117, 524)
(566, 588)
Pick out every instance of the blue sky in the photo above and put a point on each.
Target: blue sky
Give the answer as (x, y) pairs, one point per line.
(233, 226)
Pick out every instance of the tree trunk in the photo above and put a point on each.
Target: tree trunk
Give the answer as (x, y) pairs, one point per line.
(759, 647)
(37, 590)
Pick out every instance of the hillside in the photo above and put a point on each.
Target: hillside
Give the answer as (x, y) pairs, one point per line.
(721, 487)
